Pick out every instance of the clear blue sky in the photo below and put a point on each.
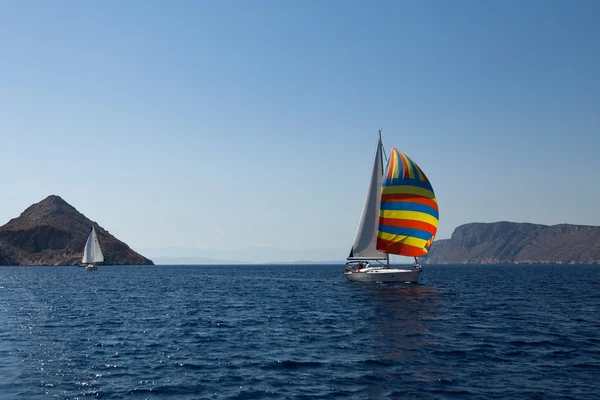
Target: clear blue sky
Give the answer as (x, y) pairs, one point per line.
(234, 124)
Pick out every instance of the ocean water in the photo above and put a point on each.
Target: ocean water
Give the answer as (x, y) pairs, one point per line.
(299, 332)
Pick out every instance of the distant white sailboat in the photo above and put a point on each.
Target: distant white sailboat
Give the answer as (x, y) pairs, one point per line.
(92, 253)
(399, 216)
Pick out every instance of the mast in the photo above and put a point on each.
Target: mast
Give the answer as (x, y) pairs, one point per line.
(364, 246)
(387, 256)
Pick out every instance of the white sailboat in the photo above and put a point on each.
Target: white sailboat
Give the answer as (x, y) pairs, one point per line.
(92, 253)
(399, 216)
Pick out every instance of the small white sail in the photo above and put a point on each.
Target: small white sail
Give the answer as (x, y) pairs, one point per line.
(365, 240)
(91, 252)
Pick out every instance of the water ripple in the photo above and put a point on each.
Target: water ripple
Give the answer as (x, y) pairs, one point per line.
(254, 332)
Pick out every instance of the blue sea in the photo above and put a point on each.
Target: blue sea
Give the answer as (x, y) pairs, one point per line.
(299, 332)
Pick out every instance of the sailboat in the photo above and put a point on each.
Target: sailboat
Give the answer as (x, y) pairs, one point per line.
(399, 216)
(92, 253)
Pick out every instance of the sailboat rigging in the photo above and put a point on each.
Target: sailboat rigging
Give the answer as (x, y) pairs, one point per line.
(92, 253)
(399, 216)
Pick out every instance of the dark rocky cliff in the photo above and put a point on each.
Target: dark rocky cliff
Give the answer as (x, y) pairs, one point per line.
(510, 242)
(52, 232)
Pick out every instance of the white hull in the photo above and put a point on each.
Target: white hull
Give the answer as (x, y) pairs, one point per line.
(384, 275)
(91, 268)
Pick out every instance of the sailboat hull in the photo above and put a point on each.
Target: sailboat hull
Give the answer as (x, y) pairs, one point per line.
(384, 275)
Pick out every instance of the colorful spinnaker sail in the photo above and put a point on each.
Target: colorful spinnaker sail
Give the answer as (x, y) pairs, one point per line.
(408, 216)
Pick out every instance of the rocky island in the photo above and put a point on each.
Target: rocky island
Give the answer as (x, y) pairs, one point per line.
(518, 243)
(52, 232)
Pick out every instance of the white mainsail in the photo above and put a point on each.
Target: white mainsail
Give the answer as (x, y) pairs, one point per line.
(365, 240)
(91, 252)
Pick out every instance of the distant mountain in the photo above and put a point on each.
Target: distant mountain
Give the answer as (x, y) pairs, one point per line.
(265, 255)
(52, 232)
(214, 261)
(510, 242)
(167, 260)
